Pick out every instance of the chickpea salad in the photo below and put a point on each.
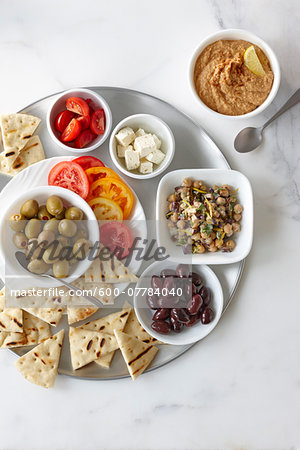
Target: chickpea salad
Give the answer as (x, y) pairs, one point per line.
(202, 218)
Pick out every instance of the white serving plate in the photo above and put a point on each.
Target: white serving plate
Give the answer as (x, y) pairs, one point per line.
(210, 177)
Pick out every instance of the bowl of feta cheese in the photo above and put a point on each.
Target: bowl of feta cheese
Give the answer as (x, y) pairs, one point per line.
(142, 146)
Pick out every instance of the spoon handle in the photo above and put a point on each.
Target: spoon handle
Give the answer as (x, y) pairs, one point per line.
(90, 298)
(292, 101)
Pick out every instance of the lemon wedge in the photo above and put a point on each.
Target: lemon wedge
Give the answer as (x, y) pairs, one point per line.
(253, 63)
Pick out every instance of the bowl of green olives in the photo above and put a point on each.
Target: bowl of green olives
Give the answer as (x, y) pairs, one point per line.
(57, 231)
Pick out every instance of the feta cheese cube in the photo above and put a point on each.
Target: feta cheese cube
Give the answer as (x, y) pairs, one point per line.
(125, 136)
(121, 150)
(146, 167)
(140, 132)
(144, 145)
(156, 156)
(157, 141)
(132, 159)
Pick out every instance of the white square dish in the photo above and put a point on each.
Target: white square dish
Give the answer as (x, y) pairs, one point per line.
(210, 177)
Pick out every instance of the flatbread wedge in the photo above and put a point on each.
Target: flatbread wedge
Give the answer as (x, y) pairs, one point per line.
(135, 329)
(86, 346)
(102, 291)
(40, 365)
(35, 329)
(32, 153)
(136, 353)
(77, 313)
(49, 315)
(12, 340)
(11, 319)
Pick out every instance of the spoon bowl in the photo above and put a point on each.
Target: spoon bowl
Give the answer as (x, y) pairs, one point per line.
(248, 139)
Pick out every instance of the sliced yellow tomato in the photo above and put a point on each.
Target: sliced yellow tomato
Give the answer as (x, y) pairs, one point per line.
(97, 173)
(106, 209)
(114, 190)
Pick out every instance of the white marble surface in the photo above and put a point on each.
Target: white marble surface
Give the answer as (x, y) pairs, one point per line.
(241, 387)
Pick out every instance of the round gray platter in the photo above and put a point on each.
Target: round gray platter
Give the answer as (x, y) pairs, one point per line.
(194, 148)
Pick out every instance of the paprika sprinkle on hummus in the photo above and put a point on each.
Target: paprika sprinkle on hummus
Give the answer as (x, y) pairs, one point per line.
(225, 84)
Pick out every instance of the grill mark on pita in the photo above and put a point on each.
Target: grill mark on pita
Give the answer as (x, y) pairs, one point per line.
(18, 323)
(101, 270)
(124, 314)
(53, 323)
(26, 137)
(138, 370)
(147, 341)
(140, 355)
(9, 154)
(102, 342)
(112, 264)
(11, 131)
(98, 354)
(2, 325)
(89, 344)
(31, 146)
(18, 165)
(13, 343)
(43, 362)
(102, 328)
(35, 354)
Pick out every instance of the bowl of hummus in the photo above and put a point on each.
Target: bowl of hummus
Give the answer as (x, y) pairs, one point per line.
(222, 80)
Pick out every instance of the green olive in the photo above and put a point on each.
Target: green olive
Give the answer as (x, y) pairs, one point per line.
(54, 205)
(38, 266)
(43, 213)
(30, 209)
(67, 228)
(61, 269)
(51, 225)
(81, 234)
(20, 240)
(33, 228)
(72, 261)
(61, 215)
(51, 254)
(33, 250)
(64, 241)
(74, 213)
(81, 248)
(45, 238)
(17, 222)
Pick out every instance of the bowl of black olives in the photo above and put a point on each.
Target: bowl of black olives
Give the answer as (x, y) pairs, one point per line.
(178, 304)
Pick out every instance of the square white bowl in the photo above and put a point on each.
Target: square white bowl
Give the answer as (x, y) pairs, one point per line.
(209, 177)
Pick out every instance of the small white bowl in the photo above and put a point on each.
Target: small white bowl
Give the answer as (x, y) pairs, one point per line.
(188, 335)
(60, 104)
(22, 277)
(210, 177)
(232, 34)
(151, 124)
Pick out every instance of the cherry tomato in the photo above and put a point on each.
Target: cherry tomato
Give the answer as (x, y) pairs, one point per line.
(85, 138)
(78, 106)
(71, 132)
(98, 121)
(96, 173)
(115, 190)
(106, 209)
(62, 120)
(69, 175)
(88, 161)
(117, 238)
(84, 121)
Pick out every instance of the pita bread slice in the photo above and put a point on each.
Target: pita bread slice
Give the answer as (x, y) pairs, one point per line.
(40, 365)
(76, 313)
(102, 291)
(110, 271)
(86, 346)
(11, 319)
(12, 340)
(135, 329)
(16, 129)
(35, 329)
(32, 153)
(49, 315)
(136, 353)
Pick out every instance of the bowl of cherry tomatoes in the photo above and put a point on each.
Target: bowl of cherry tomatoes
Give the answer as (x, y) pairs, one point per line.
(79, 120)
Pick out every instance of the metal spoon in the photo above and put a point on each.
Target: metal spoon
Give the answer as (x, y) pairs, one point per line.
(21, 258)
(250, 138)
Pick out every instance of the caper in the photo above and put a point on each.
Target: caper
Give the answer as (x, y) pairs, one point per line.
(20, 240)
(43, 213)
(54, 205)
(51, 254)
(67, 228)
(61, 215)
(30, 209)
(81, 248)
(33, 228)
(38, 266)
(17, 222)
(51, 225)
(45, 238)
(61, 269)
(74, 213)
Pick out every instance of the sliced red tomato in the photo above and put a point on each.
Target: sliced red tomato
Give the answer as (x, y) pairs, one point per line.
(78, 106)
(92, 105)
(71, 132)
(98, 121)
(69, 175)
(84, 121)
(97, 173)
(88, 161)
(85, 138)
(115, 190)
(63, 119)
(105, 209)
(117, 238)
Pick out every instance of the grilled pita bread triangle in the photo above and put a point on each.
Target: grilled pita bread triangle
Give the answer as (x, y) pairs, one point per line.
(12, 340)
(136, 353)
(35, 329)
(49, 315)
(11, 319)
(86, 346)
(77, 313)
(110, 270)
(40, 365)
(135, 329)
